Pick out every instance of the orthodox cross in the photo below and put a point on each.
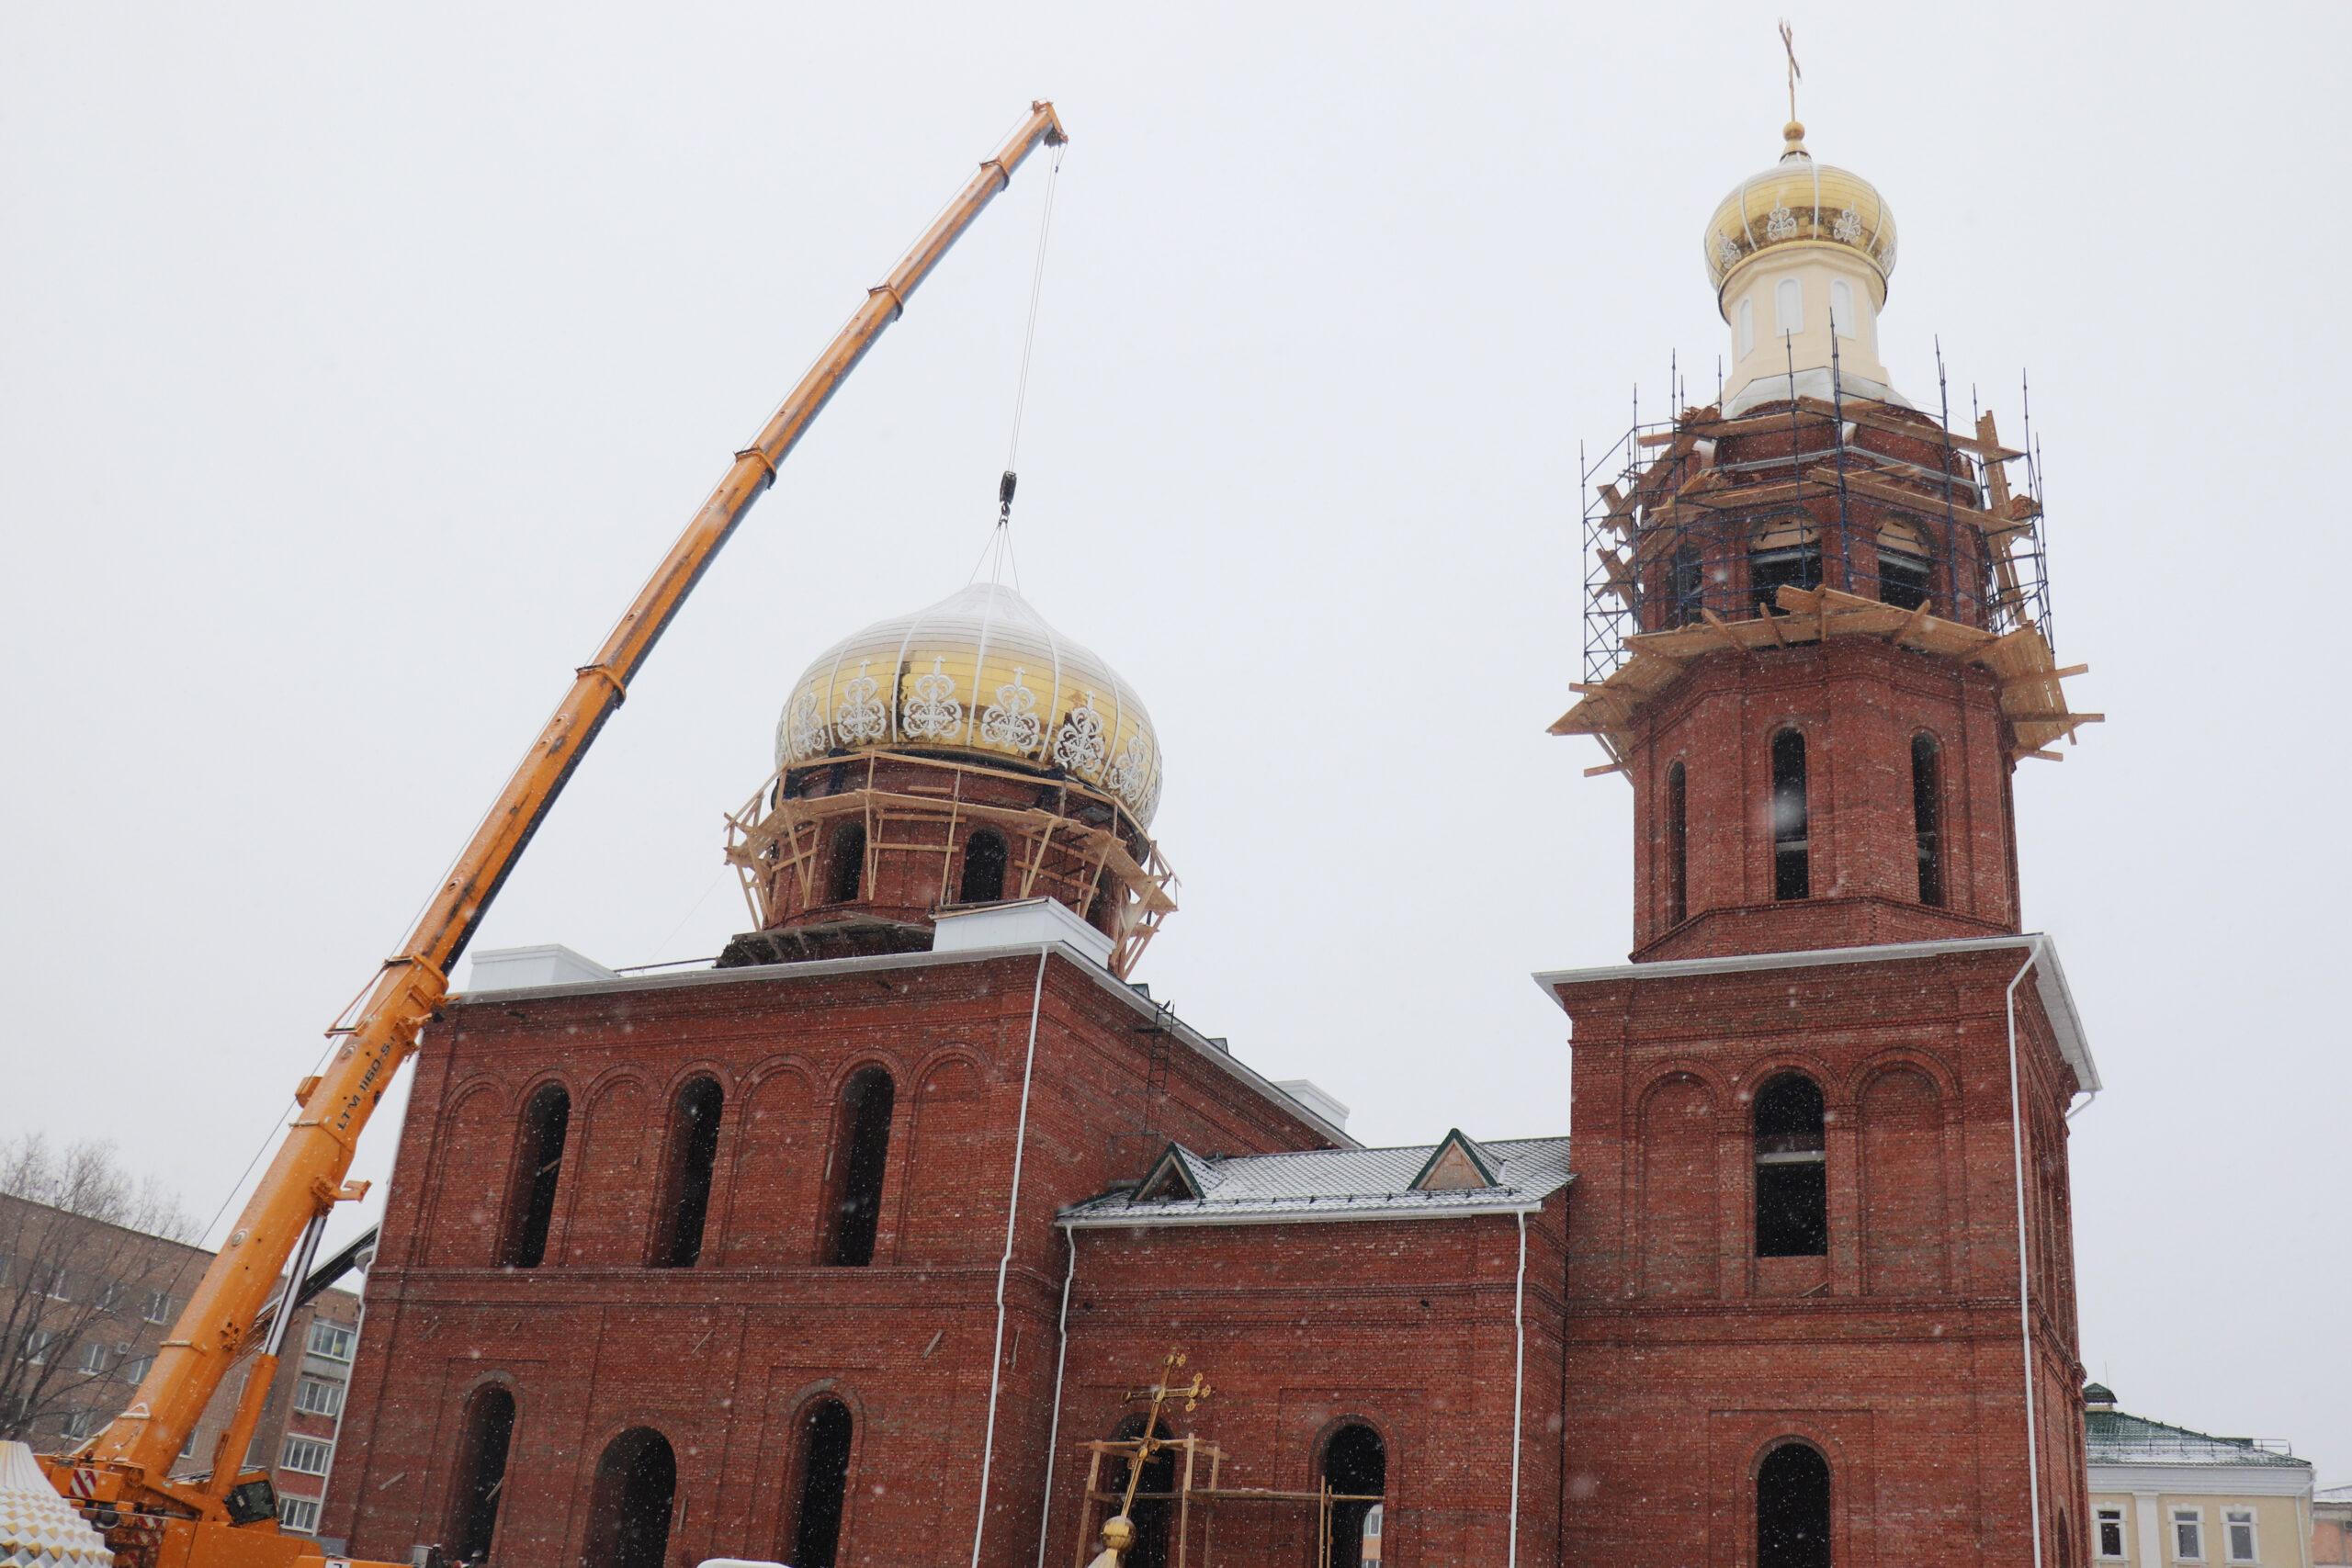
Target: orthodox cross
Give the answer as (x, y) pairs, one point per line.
(1161, 1394)
(1797, 72)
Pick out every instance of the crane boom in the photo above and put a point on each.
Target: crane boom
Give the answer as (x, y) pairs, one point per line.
(128, 1465)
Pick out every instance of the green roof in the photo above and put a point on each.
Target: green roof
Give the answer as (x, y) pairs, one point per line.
(2115, 1437)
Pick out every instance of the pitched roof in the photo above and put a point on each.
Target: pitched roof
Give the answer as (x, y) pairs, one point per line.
(2114, 1438)
(1316, 1185)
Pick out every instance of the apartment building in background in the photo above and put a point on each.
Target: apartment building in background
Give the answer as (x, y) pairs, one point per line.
(2164, 1496)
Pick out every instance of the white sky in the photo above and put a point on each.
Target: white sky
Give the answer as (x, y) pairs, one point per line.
(357, 367)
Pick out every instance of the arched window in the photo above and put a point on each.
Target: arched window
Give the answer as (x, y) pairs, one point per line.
(1792, 1508)
(1903, 567)
(1689, 584)
(1782, 554)
(481, 1473)
(1842, 307)
(825, 1435)
(1788, 307)
(1927, 816)
(984, 858)
(686, 1169)
(861, 1153)
(1791, 1170)
(1150, 1513)
(1677, 846)
(629, 1511)
(1355, 1465)
(1747, 326)
(847, 872)
(1791, 848)
(538, 1163)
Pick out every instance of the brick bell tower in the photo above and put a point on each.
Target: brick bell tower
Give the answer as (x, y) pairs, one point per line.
(1821, 1298)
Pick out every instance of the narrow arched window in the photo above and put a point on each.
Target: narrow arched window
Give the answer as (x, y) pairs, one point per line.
(847, 872)
(1842, 307)
(687, 1170)
(1791, 824)
(1689, 583)
(984, 859)
(1927, 816)
(538, 1165)
(1903, 567)
(629, 1509)
(481, 1473)
(825, 1434)
(1677, 846)
(861, 1155)
(1792, 1508)
(1791, 1170)
(1785, 554)
(1747, 326)
(1355, 1469)
(1788, 307)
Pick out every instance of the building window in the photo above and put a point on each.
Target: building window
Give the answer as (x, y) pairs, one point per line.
(2110, 1532)
(628, 1510)
(538, 1165)
(481, 1472)
(92, 1359)
(824, 1484)
(36, 1344)
(1792, 1508)
(984, 859)
(1842, 307)
(134, 1371)
(2238, 1524)
(1688, 578)
(1791, 1170)
(331, 1340)
(1355, 1467)
(60, 1286)
(1927, 818)
(1788, 307)
(159, 1307)
(693, 1153)
(1791, 818)
(849, 864)
(2188, 1534)
(1902, 568)
(316, 1397)
(861, 1155)
(1747, 326)
(300, 1515)
(307, 1456)
(1677, 846)
(1786, 554)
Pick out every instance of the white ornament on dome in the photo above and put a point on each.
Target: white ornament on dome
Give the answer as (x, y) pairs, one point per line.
(1079, 747)
(1011, 721)
(1130, 776)
(38, 1529)
(861, 720)
(806, 735)
(1781, 223)
(1726, 251)
(1848, 227)
(934, 714)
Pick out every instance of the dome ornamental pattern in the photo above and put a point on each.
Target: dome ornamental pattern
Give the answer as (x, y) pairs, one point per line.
(1798, 201)
(39, 1529)
(980, 673)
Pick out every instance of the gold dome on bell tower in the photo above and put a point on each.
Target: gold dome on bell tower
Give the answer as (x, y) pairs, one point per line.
(1799, 204)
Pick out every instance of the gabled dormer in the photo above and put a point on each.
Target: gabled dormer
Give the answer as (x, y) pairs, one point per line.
(1458, 1165)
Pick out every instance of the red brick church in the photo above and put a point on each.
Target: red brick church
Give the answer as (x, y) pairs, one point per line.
(864, 1245)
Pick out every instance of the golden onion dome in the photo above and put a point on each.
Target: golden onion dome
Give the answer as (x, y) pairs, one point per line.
(978, 675)
(1800, 202)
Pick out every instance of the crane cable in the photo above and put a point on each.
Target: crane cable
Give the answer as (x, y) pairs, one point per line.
(1000, 540)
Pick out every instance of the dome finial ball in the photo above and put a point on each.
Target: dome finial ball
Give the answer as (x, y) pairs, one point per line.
(1793, 134)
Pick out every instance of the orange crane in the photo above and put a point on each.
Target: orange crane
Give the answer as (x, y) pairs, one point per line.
(121, 1478)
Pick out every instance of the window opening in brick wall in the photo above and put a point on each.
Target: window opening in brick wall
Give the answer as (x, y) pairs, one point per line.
(1786, 554)
(1791, 1172)
(2110, 1532)
(1792, 1508)
(1927, 816)
(693, 1155)
(1677, 846)
(825, 1434)
(2188, 1534)
(159, 1307)
(308, 1456)
(848, 869)
(538, 1165)
(316, 1397)
(1689, 584)
(861, 1155)
(1354, 1462)
(2237, 1525)
(1791, 818)
(300, 1515)
(984, 861)
(629, 1511)
(1902, 580)
(331, 1340)
(1154, 1496)
(481, 1472)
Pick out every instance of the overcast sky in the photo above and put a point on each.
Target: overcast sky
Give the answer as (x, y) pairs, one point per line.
(358, 365)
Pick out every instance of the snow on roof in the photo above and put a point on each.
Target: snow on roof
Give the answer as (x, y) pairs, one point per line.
(1335, 1184)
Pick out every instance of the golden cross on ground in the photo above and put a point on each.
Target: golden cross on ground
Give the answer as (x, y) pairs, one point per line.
(1797, 72)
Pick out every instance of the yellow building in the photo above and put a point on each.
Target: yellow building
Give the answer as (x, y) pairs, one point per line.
(2168, 1497)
